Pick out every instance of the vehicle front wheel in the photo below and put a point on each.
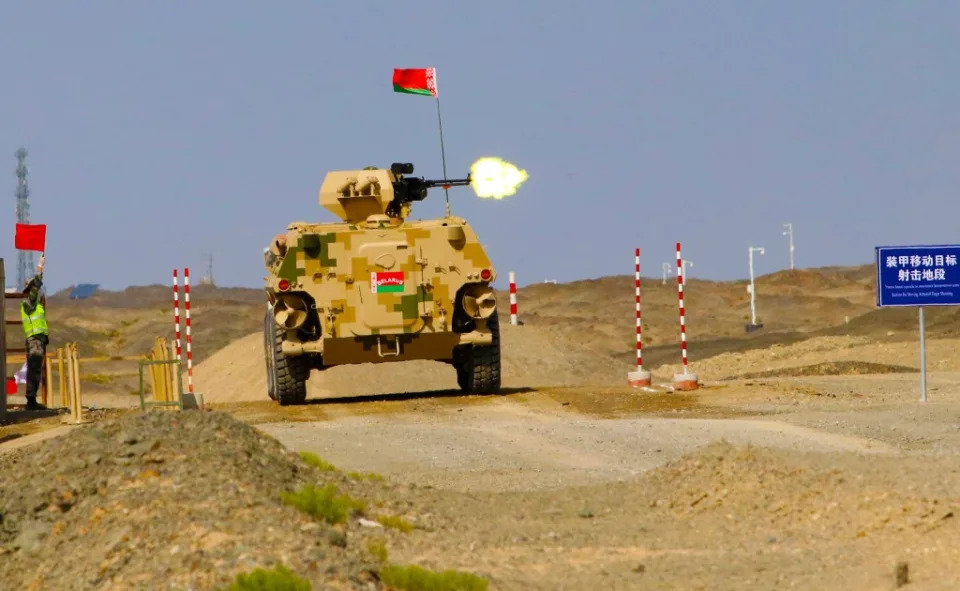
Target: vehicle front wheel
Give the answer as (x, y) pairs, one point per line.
(478, 372)
(268, 324)
(288, 374)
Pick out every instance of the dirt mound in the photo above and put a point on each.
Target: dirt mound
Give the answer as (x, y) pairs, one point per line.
(892, 351)
(943, 321)
(824, 279)
(831, 368)
(794, 494)
(151, 296)
(530, 358)
(190, 499)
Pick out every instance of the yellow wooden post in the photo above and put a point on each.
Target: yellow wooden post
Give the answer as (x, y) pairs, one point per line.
(48, 362)
(162, 354)
(77, 414)
(175, 393)
(69, 378)
(61, 375)
(154, 377)
(76, 357)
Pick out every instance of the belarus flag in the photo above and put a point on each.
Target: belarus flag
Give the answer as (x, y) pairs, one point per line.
(415, 81)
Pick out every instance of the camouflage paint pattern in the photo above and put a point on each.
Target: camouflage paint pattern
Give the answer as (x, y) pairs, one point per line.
(332, 265)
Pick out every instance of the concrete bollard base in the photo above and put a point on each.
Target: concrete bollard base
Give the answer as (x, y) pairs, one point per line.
(192, 401)
(686, 381)
(639, 378)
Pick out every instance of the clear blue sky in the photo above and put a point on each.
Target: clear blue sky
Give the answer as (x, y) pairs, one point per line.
(160, 131)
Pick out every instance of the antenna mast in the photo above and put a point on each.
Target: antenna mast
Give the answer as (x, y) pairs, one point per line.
(24, 257)
(208, 279)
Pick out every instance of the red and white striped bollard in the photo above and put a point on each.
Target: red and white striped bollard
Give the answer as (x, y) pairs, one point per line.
(640, 377)
(186, 304)
(513, 299)
(685, 380)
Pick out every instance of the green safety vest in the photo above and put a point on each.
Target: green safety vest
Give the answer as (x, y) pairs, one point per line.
(36, 323)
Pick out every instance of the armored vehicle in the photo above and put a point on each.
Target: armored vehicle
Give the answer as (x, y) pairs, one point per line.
(375, 287)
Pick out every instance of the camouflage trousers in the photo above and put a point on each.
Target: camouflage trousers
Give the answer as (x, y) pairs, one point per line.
(36, 350)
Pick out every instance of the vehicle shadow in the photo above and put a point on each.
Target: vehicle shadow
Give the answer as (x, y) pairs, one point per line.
(402, 396)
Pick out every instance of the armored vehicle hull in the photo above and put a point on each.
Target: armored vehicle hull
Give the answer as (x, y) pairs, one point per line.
(375, 289)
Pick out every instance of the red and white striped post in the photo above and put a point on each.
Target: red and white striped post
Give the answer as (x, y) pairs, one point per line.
(686, 380)
(186, 303)
(513, 299)
(639, 377)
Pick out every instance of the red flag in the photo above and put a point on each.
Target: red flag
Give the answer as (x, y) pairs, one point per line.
(31, 237)
(415, 81)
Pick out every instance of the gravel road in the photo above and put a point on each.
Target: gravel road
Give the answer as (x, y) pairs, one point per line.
(508, 446)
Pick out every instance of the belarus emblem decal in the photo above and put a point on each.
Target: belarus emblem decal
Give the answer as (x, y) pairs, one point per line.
(386, 282)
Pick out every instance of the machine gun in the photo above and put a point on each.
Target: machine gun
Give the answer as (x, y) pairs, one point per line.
(407, 189)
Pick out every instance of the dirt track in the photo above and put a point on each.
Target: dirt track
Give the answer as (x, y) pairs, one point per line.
(506, 446)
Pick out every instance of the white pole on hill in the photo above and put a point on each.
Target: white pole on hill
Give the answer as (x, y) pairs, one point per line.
(686, 262)
(753, 290)
(789, 232)
(666, 271)
(923, 361)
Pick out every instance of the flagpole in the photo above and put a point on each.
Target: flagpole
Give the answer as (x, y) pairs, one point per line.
(443, 155)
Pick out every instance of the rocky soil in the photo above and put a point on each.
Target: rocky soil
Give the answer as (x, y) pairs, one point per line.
(174, 501)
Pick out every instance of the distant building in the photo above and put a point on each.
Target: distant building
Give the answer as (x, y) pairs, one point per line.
(83, 291)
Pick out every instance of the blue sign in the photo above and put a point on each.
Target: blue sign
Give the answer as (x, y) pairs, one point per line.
(918, 275)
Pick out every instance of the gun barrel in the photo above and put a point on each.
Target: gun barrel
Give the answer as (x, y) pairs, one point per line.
(448, 182)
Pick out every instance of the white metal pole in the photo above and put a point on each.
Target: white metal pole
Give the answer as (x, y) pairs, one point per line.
(666, 271)
(789, 232)
(923, 360)
(753, 289)
(685, 262)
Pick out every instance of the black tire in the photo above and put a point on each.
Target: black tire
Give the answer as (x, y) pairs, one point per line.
(268, 324)
(289, 374)
(479, 372)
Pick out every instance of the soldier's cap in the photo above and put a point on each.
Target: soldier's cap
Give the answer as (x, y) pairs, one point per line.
(31, 283)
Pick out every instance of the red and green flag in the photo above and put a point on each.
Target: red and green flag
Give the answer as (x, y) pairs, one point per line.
(386, 282)
(415, 81)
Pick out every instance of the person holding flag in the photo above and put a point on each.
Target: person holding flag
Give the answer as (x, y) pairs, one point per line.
(35, 328)
(33, 313)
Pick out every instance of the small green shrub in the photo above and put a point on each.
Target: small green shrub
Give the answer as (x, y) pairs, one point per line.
(379, 549)
(323, 503)
(395, 522)
(416, 578)
(278, 579)
(315, 461)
